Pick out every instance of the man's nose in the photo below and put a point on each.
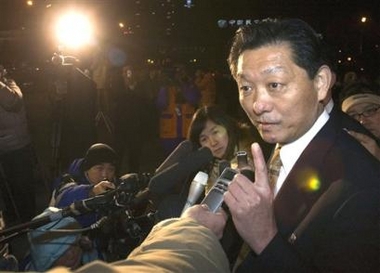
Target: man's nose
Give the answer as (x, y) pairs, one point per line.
(261, 102)
(105, 174)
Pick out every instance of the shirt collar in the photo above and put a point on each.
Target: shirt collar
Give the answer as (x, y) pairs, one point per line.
(329, 106)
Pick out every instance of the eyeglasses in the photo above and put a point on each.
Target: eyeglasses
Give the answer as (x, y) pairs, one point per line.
(367, 113)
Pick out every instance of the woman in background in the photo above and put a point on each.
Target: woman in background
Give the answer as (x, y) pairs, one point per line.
(211, 127)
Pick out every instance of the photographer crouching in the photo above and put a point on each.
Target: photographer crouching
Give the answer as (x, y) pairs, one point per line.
(102, 203)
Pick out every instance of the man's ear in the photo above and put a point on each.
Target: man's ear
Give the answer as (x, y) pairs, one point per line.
(322, 82)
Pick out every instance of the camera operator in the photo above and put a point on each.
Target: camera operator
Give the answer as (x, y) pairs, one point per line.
(17, 156)
(93, 175)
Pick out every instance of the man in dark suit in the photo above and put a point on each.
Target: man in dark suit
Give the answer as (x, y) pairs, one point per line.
(322, 215)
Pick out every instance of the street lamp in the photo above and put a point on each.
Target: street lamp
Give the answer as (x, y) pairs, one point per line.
(363, 20)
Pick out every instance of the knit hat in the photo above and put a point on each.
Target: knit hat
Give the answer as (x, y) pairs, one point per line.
(358, 99)
(46, 246)
(97, 154)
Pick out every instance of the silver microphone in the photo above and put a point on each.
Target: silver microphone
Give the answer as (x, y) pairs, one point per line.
(196, 189)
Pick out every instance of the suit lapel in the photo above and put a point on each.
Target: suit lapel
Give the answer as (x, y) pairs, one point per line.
(309, 178)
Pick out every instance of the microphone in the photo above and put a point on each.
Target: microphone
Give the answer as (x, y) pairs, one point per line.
(197, 187)
(164, 181)
(183, 149)
(243, 166)
(223, 164)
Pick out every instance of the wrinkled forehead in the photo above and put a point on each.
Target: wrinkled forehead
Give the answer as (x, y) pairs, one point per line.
(268, 60)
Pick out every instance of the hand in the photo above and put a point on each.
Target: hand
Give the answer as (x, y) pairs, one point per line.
(368, 142)
(251, 205)
(213, 221)
(102, 187)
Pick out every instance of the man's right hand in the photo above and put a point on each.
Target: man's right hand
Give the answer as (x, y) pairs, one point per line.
(251, 205)
(213, 221)
(102, 187)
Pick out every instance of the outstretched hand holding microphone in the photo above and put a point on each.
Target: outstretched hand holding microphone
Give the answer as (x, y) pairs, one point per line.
(250, 205)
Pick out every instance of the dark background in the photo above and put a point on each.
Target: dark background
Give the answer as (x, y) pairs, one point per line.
(162, 29)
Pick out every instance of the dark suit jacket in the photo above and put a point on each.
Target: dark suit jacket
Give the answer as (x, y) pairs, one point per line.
(333, 227)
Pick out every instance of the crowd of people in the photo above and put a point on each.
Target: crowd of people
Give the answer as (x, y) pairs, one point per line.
(312, 204)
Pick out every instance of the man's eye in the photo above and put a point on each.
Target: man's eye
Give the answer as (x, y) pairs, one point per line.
(244, 88)
(354, 115)
(274, 85)
(369, 111)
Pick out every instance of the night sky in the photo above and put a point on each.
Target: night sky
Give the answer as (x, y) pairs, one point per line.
(159, 29)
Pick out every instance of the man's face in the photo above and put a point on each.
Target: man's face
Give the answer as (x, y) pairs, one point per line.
(277, 95)
(372, 119)
(101, 172)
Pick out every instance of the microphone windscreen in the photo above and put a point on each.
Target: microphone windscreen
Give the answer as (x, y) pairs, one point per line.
(164, 181)
(182, 150)
(201, 177)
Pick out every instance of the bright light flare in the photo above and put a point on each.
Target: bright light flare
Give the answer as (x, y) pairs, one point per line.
(74, 30)
(309, 181)
(313, 184)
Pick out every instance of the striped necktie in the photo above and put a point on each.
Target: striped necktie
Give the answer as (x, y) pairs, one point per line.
(274, 167)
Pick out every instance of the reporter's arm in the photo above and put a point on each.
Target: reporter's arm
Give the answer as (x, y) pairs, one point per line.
(173, 245)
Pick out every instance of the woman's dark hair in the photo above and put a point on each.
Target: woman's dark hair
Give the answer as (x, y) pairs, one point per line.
(308, 50)
(219, 117)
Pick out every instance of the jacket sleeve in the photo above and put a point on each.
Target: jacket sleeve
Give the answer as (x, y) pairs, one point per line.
(76, 193)
(173, 245)
(71, 194)
(180, 245)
